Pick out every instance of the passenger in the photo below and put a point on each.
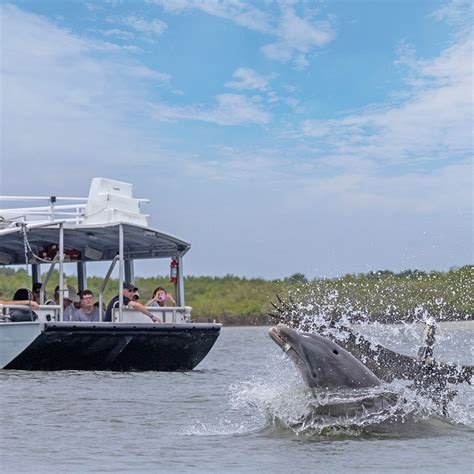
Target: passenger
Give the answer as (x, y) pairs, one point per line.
(55, 299)
(88, 311)
(127, 291)
(36, 290)
(161, 298)
(23, 297)
(136, 295)
(71, 301)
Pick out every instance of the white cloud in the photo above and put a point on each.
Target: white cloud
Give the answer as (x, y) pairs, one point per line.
(296, 36)
(246, 78)
(303, 34)
(154, 27)
(433, 124)
(231, 109)
(121, 34)
(278, 51)
(301, 62)
(66, 103)
(236, 164)
(457, 12)
(241, 13)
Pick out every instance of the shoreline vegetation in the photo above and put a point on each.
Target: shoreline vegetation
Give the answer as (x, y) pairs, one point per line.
(381, 296)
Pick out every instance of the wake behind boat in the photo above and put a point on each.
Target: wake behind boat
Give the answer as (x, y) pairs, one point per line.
(106, 227)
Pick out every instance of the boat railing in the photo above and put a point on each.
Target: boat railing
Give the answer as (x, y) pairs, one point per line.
(74, 212)
(66, 212)
(45, 313)
(167, 314)
(51, 313)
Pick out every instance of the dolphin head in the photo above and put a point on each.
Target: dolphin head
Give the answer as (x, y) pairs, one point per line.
(322, 363)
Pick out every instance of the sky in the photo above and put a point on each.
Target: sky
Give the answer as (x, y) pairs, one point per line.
(276, 136)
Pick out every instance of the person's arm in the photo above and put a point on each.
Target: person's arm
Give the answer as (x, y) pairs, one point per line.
(31, 303)
(149, 302)
(139, 307)
(171, 300)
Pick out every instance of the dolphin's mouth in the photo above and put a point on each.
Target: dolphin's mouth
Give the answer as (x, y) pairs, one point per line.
(275, 333)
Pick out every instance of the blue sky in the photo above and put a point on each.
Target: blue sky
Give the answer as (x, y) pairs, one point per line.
(278, 137)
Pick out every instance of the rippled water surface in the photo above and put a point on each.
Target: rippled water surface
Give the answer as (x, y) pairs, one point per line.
(239, 411)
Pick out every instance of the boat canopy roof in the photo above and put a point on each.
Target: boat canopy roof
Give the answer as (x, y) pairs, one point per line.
(88, 242)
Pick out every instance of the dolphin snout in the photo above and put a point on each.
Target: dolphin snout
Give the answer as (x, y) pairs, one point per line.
(277, 333)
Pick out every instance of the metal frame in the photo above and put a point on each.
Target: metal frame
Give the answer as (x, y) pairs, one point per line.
(104, 284)
(75, 213)
(180, 282)
(121, 271)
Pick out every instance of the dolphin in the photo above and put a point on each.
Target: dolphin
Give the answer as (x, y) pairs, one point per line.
(323, 363)
(329, 369)
(385, 363)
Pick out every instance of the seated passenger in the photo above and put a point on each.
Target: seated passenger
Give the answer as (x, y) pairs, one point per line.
(136, 295)
(70, 300)
(88, 310)
(23, 297)
(26, 302)
(161, 298)
(127, 292)
(36, 291)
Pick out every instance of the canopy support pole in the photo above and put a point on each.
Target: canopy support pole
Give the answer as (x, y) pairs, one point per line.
(104, 284)
(35, 273)
(61, 272)
(81, 276)
(180, 282)
(121, 272)
(129, 271)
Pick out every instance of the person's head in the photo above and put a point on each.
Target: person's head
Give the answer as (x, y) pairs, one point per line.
(22, 294)
(87, 299)
(160, 294)
(36, 290)
(136, 295)
(56, 295)
(128, 290)
(70, 296)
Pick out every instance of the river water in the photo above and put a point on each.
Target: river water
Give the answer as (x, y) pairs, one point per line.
(237, 412)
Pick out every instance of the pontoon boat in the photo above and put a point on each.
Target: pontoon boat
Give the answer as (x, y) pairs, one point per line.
(107, 227)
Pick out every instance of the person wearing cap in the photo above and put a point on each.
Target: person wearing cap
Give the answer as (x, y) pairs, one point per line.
(136, 294)
(127, 291)
(70, 300)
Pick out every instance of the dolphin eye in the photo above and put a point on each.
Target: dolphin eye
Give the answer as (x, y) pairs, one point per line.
(335, 351)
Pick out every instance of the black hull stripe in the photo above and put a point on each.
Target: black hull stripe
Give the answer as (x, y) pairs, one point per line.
(117, 348)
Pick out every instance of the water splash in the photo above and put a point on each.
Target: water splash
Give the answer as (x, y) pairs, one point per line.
(330, 313)
(390, 409)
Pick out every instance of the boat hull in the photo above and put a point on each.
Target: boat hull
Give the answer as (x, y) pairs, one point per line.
(117, 347)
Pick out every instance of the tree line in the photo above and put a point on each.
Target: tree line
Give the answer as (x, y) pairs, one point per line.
(383, 295)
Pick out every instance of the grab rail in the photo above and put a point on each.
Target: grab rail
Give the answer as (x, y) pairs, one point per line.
(183, 313)
(45, 312)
